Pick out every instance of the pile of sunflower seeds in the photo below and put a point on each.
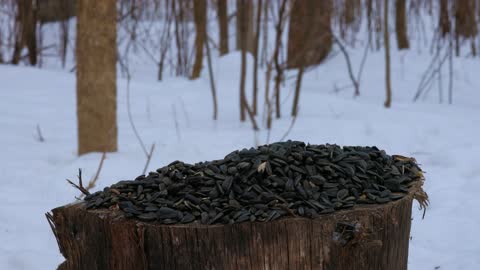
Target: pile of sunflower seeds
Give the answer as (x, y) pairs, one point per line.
(263, 184)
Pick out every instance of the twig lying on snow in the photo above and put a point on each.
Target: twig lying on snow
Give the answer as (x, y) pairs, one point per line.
(40, 137)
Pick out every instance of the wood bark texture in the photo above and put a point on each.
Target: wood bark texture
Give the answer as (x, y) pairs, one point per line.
(25, 36)
(310, 34)
(223, 25)
(96, 48)
(245, 20)
(401, 24)
(200, 17)
(103, 239)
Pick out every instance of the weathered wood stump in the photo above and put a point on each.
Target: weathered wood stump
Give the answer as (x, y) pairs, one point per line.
(365, 237)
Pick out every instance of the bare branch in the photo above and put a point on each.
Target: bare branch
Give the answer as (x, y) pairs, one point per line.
(292, 123)
(212, 81)
(130, 118)
(177, 128)
(349, 65)
(149, 158)
(80, 183)
(40, 137)
(251, 116)
(93, 181)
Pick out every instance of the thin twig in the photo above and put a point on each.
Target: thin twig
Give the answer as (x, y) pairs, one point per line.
(80, 183)
(93, 181)
(149, 157)
(362, 64)
(212, 82)
(429, 75)
(292, 123)
(450, 71)
(177, 128)
(251, 116)
(129, 112)
(349, 65)
(40, 137)
(185, 112)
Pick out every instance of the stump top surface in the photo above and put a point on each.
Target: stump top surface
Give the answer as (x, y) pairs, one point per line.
(116, 215)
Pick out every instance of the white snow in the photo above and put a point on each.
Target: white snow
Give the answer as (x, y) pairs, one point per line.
(443, 138)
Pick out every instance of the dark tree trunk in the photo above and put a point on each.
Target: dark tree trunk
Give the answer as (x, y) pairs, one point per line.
(26, 35)
(200, 16)
(444, 20)
(310, 33)
(55, 10)
(276, 55)
(223, 25)
(369, 7)
(401, 24)
(386, 40)
(255, 57)
(298, 87)
(212, 81)
(465, 23)
(243, 68)
(378, 23)
(245, 38)
(373, 237)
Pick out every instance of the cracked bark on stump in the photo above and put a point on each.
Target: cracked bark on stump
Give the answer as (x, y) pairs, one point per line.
(103, 239)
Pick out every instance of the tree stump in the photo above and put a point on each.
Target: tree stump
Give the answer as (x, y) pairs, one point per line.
(366, 237)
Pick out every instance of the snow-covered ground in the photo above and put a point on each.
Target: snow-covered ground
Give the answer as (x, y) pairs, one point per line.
(176, 114)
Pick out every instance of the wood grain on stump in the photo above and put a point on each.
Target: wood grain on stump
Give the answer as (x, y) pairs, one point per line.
(365, 237)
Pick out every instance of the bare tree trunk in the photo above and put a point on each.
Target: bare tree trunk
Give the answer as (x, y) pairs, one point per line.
(298, 86)
(473, 47)
(457, 44)
(369, 21)
(386, 38)
(378, 22)
(200, 16)
(1, 49)
(401, 24)
(310, 33)
(64, 26)
(223, 25)
(26, 32)
(450, 70)
(268, 103)
(276, 54)
(212, 81)
(178, 42)
(444, 20)
(242, 32)
(255, 57)
(165, 40)
(245, 11)
(96, 76)
(265, 34)
(181, 38)
(465, 22)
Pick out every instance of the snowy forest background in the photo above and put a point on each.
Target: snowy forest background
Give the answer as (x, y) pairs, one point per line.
(194, 80)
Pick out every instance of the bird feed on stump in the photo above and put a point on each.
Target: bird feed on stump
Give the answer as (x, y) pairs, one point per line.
(286, 205)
